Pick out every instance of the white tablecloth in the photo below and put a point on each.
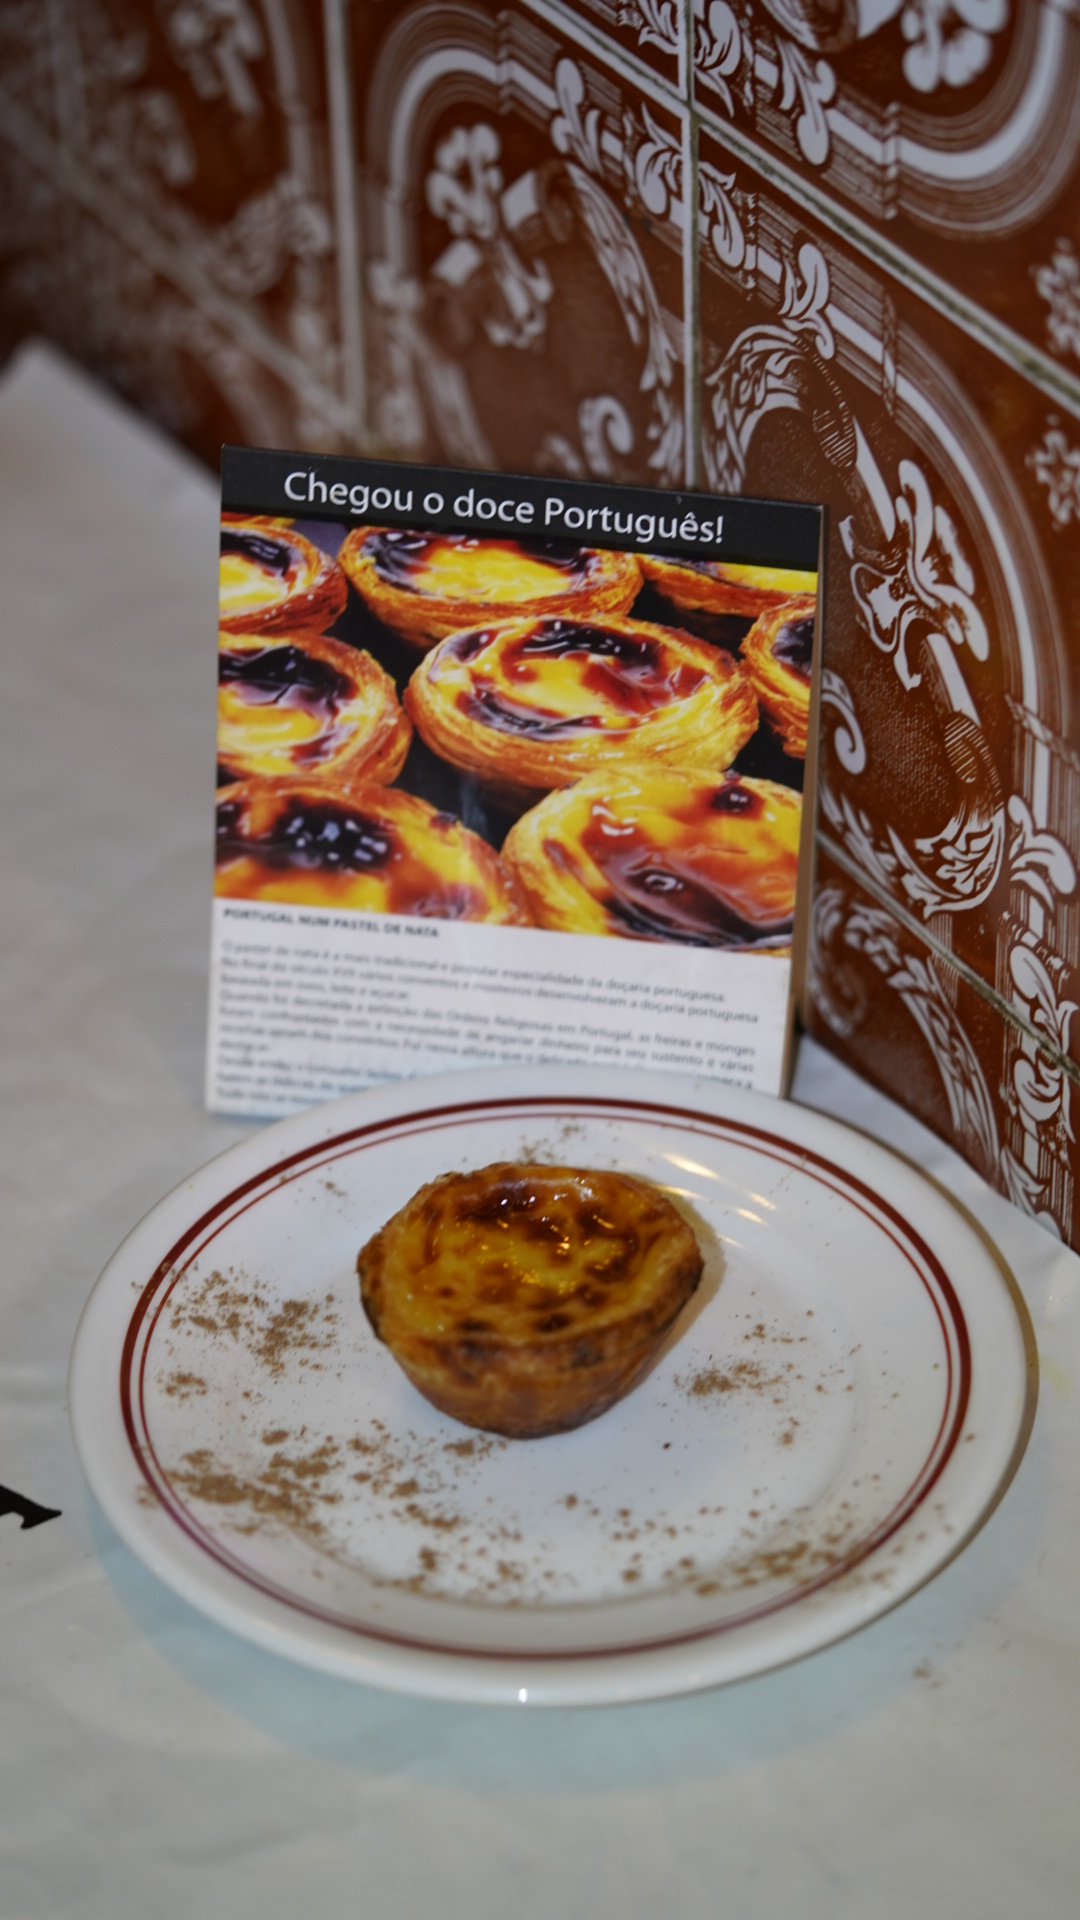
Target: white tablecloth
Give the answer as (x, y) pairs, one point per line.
(154, 1766)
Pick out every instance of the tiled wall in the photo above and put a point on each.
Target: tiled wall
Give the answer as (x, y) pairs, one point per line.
(819, 248)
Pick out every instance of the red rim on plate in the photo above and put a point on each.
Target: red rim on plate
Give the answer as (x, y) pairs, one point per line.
(201, 1234)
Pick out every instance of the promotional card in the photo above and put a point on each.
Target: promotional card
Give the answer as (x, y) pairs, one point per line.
(510, 769)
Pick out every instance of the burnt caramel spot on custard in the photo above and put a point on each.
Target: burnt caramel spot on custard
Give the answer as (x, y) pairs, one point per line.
(283, 677)
(506, 1203)
(794, 646)
(261, 549)
(322, 836)
(733, 797)
(466, 646)
(663, 892)
(629, 674)
(649, 899)
(230, 813)
(396, 555)
(493, 709)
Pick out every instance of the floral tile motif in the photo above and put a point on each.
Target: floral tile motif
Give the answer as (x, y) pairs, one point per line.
(946, 781)
(899, 1014)
(949, 125)
(653, 33)
(526, 252)
(107, 307)
(193, 137)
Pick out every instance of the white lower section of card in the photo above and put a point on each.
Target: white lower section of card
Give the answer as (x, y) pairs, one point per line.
(307, 1003)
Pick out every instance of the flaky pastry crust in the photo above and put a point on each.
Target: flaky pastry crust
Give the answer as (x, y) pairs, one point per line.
(713, 586)
(372, 849)
(535, 704)
(527, 1299)
(428, 585)
(302, 706)
(663, 854)
(272, 580)
(778, 655)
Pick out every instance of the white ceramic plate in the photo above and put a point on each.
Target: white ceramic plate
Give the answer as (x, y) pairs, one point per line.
(836, 1412)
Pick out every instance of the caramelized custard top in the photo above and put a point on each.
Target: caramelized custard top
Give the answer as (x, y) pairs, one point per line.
(563, 677)
(281, 700)
(699, 885)
(328, 834)
(282, 676)
(781, 581)
(258, 568)
(521, 1253)
(382, 851)
(664, 853)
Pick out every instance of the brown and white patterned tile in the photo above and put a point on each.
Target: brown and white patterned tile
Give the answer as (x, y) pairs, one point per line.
(106, 306)
(950, 780)
(200, 139)
(528, 251)
(898, 1013)
(948, 128)
(650, 33)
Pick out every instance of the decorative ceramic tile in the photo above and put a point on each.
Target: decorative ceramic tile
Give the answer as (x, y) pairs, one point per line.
(900, 1015)
(951, 126)
(526, 241)
(946, 782)
(195, 139)
(653, 33)
(108, 308)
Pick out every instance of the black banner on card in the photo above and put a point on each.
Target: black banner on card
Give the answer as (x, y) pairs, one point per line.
(764, 533)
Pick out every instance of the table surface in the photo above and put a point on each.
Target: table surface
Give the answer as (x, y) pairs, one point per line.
(152, 1765)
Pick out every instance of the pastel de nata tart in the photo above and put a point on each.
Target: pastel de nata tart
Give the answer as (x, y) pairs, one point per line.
(712, 586)
(272, 580)
(535, 704)
(527, 1299)
(778, 655)
(301, 705)
(662, 854)
(374, 849)
(426, 585)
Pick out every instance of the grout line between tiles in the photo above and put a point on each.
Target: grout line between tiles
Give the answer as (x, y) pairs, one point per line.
(1036, 366)
(592, 40)
(692, 271)
(1056, 382)
(343, 163)
(968, 974)
(70, 171)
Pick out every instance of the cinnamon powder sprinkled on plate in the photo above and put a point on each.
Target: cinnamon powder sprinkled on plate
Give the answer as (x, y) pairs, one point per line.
(289, 1489)
(224, 1305)
(423, 1483)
